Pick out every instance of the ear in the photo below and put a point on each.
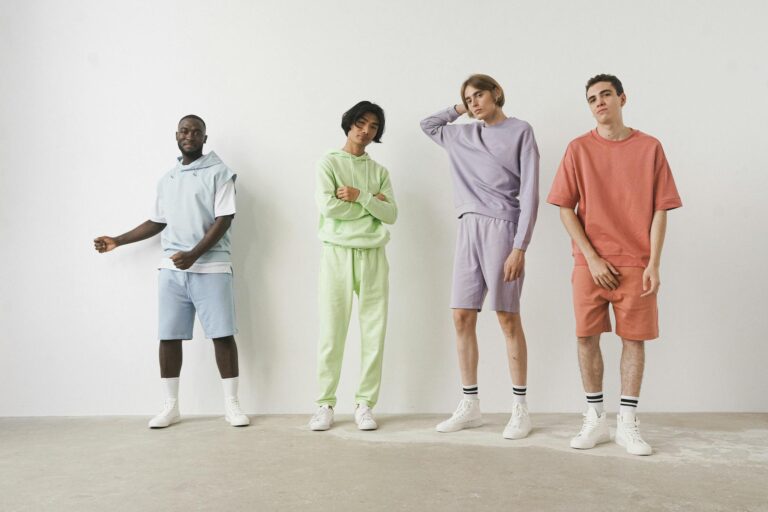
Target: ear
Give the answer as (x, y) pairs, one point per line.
(623, 99)
(205, 139)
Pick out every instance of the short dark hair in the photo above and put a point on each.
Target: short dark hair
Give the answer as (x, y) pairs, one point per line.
(192, 116)
(354, 114)
(603, 77)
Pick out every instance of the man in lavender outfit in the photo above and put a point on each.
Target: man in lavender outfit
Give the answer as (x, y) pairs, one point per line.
(495, 171)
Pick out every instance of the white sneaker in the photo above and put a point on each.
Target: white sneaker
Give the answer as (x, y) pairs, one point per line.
(594, 431)
(234, 415)
(168, 417)
(323, 418)
(519, 425)
(364, 418)
(628, 436)
(467, 415)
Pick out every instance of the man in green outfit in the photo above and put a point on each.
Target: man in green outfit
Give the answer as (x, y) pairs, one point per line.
(355, 199)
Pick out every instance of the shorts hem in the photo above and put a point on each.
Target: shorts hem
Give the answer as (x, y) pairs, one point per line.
(172, 337)
(217, 335)
(592, 333)
(478, 309)
(647, 337)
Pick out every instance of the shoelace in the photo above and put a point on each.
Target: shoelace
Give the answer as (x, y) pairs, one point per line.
(517, 416)
(462, 410)
(633, 432)
(321, 414)
(234, 406)
(366, 416)
(588, 425)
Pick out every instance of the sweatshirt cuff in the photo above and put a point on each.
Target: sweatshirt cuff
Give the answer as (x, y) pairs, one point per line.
(364, 198)
(523, 246)
(452, 114)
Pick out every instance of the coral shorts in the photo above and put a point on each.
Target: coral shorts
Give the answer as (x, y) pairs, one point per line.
(637, 318)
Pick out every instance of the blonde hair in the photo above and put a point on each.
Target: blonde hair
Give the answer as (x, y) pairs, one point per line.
(484, 83)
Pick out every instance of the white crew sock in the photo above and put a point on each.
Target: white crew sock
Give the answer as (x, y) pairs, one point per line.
(628, 407)
(470, 392)
(230, 386)
(171, 388)
(518, 394)
(595, 400)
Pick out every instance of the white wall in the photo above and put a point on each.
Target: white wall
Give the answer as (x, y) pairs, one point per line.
(91, 92)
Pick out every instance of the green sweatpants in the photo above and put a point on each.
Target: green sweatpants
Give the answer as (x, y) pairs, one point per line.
(344, 272)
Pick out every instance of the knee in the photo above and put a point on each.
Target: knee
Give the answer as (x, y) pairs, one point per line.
(464, 320)
(589, 342)
(510, 324)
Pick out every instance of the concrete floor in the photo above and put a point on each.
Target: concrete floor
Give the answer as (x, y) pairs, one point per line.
(702, 462)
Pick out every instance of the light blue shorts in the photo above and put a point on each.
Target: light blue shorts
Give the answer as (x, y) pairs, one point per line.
(181, 294)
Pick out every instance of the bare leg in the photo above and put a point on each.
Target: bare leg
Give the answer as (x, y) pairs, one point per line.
(170, 359)
(465, 321)
(517, 349)
(591, 363)
(632, 366)
(226, 356)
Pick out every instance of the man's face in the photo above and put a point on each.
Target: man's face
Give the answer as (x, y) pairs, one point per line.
(191, 136)
(482, 104)
(364, 129)
(604, 103)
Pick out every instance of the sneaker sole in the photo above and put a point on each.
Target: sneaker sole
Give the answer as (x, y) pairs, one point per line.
(516, 436)
(602, 440)
(172, 422)
(320, 428)
(621, 442)
(241, 424)
(470, 424)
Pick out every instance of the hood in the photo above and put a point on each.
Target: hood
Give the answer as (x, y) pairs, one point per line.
(203, 162)
(338, 153)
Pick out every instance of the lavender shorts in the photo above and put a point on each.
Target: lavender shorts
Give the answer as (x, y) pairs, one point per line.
(482, 246)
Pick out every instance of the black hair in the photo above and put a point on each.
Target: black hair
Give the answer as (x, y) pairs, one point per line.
(615, 82)
(354, 114)
(193, 116)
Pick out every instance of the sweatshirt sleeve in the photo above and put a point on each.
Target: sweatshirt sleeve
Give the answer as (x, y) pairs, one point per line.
(529, 190)
(325, 195)
(385, 211)
(437, 128)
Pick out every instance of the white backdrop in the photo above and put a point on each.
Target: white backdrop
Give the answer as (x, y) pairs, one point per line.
(91, 93)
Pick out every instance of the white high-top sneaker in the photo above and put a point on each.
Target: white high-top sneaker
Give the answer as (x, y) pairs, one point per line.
(168, 416)
(467, 415)
(628, 436)
(594, 431)
(364, 418)
(519, 425)
(234, 415)
(322, 419)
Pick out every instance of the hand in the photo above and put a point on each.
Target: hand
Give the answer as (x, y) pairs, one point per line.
(603, 273)
(347, 194)
(182, 260)
(513, 267)
(651, 281)
(381, 197)
(460, 108)
(104, 243)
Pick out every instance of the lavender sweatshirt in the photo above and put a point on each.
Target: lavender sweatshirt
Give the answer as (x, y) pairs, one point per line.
(495, 169)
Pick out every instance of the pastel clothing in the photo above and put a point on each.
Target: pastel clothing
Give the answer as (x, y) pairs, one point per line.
(616, 187)
(344, 272)
(482, 246)
(495, 169)
(637, 318)
(224, 204)
(182, 294)
(187, 204)
(358, 224)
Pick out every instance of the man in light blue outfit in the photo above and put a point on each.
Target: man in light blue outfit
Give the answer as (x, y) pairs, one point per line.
(194, 210)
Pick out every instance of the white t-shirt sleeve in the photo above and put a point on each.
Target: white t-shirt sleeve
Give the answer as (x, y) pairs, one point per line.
(157, 212)
(224, 201)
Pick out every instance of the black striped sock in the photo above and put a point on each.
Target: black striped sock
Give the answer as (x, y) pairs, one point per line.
(595, 400)
(518, 394)
(628, 405)
(470, 391)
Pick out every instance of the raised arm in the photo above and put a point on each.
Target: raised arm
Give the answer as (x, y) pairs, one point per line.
(145, 230)
(436, 126)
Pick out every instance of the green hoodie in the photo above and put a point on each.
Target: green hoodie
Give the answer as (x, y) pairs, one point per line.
(354, 224)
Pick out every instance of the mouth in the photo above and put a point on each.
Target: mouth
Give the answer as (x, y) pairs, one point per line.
(602, 110)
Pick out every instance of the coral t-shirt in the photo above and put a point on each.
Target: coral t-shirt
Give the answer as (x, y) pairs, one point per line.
(616, 187)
